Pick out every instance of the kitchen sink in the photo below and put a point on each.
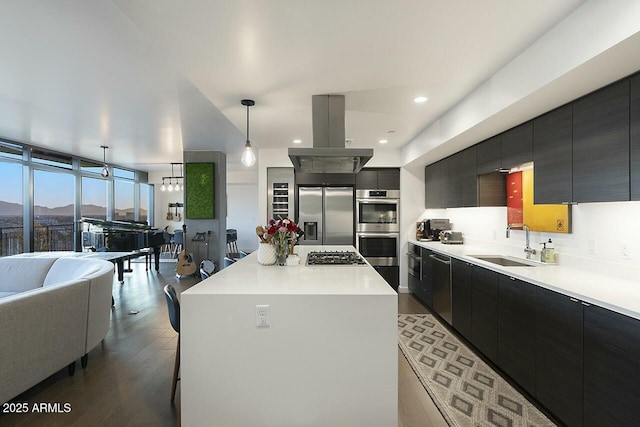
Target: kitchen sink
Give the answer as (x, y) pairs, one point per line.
(505, 261)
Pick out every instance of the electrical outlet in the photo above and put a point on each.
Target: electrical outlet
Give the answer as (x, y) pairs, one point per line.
(624, 250)
(592, 246)
(262, 315)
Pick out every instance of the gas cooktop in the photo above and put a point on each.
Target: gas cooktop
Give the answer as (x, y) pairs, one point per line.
(335, 258)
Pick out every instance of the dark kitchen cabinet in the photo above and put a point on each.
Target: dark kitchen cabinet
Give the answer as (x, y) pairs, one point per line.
(489, 155)
(451, 184)
(517, 331)
(324, 179)
(461, 296)
(484, 312)
(634, 135)
(558, 353)
(601, 145)
(433, 176)
(378, 179)
(552, 156)
(611, 368)
(468, 177)
(427, 278)
(517, 145)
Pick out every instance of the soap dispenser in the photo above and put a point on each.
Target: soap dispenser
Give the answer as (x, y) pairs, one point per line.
(551, 252)
(547, 254)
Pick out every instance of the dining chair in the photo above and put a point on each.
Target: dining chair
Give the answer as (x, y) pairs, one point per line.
(174, 317)
(178, 242)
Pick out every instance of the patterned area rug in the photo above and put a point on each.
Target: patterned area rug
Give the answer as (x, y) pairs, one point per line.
(465, 389)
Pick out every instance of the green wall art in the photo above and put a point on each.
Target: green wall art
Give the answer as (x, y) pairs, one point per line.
(199, 191)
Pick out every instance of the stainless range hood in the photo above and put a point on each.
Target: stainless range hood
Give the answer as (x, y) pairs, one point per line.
(329, 154)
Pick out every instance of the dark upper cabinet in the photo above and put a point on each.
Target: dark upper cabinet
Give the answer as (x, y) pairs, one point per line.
(324, 179)
(516, 330)
(389, 179)
(517, 145)
(469, 177)
(634, 131)
(489, 154)
(601, 145)
(484, 312)
(461, 296)
(558, 369)
(367, 179)
(611, 368)
(451, 184)
(378, 179)
(433, 177)
(552, 156)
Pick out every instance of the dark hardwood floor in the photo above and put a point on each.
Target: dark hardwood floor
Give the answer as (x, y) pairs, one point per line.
(128, 379)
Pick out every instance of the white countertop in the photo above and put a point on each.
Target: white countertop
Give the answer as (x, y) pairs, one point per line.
(617, 294)
(247, 276)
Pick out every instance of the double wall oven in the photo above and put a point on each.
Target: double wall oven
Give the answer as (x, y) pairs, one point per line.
(377, 226)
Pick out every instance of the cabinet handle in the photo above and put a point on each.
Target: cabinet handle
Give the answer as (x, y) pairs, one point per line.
(573, 299)
(512, 278)
(586, 305)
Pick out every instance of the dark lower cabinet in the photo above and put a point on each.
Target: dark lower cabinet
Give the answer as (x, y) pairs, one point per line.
(391, 274)
(517, 331)
(484, 312)
(559, 355)
(427, 278)
(611, 368)
(461, 296)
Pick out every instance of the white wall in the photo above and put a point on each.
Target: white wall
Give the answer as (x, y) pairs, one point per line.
(242, 213)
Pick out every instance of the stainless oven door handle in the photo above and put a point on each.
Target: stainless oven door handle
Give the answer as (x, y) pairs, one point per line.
(396, 235)
(379, 201)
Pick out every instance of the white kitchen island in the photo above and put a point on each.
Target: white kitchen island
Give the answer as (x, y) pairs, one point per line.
(328, 357)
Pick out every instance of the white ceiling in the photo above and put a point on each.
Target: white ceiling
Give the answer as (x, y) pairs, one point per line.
(152, 78)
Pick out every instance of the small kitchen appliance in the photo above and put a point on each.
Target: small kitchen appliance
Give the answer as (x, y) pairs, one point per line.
(433, 227)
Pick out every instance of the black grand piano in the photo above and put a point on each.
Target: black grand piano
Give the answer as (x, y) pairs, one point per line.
(122, 236)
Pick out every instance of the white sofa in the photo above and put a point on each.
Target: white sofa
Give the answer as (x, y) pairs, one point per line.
(52, 312)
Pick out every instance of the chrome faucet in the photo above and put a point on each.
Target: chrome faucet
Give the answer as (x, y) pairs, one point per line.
(527, 249)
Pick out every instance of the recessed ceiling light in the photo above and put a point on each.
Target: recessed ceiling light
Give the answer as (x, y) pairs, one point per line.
(420, 99)
(297, 141)
(383, 141)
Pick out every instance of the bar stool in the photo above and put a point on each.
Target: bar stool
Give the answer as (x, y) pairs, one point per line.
(174, 317)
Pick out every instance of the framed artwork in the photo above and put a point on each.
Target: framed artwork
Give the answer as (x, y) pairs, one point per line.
(199, 190)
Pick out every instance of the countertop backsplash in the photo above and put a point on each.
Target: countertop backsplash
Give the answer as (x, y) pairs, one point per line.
(602, 228)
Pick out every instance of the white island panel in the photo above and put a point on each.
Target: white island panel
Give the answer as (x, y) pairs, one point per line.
(328, 358)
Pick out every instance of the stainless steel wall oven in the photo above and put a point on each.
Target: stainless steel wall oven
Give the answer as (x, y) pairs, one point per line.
(377, 226)
(377, 211)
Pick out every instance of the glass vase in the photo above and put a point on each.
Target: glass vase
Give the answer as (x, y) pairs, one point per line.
(282, 251)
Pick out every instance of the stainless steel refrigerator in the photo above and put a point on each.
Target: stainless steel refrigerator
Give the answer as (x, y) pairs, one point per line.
(326, 215)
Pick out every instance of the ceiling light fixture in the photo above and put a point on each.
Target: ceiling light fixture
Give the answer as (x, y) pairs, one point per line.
(172, 186)
(383, 141)
(297, 141)
(248, 157)
(105, 168)
(420, 99)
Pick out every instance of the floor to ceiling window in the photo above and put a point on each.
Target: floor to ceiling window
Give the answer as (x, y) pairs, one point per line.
(11, 212)
(145, 198)
(124, 207)
(94, 198)
(53, 211)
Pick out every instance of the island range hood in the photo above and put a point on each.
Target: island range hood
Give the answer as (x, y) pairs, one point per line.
(329, 154)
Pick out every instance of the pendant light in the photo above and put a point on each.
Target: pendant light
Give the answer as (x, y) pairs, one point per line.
(105, 168)
(248, 157)
(164, 187)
